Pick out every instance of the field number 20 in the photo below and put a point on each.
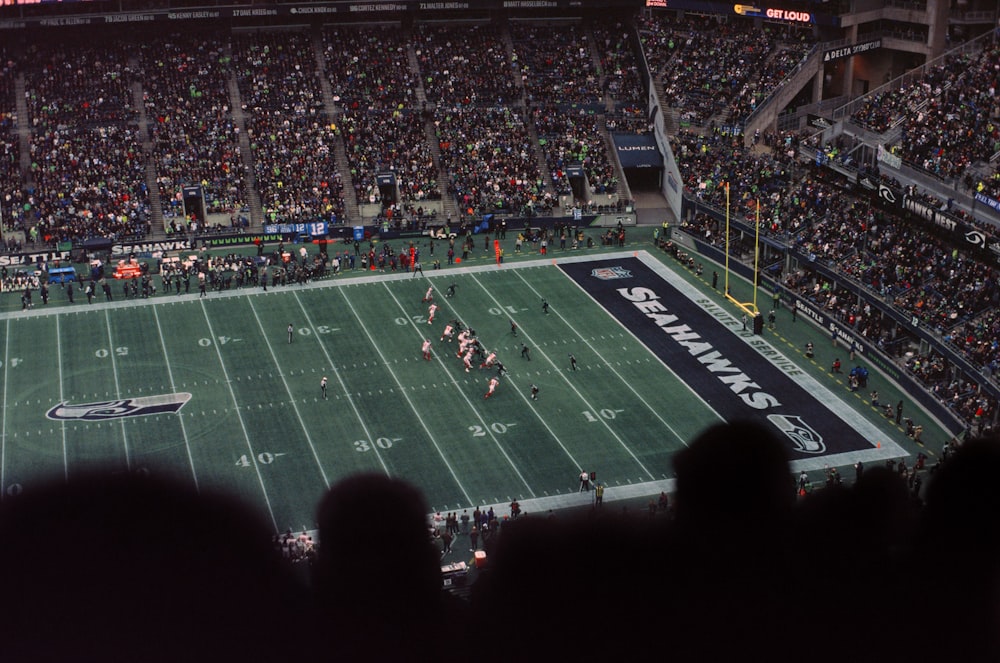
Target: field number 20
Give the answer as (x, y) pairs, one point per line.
(496, 427)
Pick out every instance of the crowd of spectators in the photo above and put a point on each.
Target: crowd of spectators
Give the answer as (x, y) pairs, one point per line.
(368, 67)
(960, 393)
(708, 161)
(291, 136)
(955, 126)
(88, 168)
(466, 64)
(276, 70)
(382, 141)
(89, 182)
(619, 62)
(295, 167)
(489, 155)
(556, 63)
(755, 90)
(78, 84)
(11, 185)
(948, 289)
(194, 136)
(713, 68)
(628, 119)
(570, 138)
(947, 116)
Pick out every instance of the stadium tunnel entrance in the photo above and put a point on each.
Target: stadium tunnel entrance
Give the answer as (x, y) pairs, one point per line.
(641, 160)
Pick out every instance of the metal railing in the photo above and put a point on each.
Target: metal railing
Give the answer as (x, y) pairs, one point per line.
(914, 75)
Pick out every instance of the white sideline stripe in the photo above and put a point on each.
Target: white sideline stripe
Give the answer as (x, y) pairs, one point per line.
(3, 430)
(118, 389)
(288, 389)
(62, 399)
(173, 387)
(536, 506)
(329, 282)
(239, 415)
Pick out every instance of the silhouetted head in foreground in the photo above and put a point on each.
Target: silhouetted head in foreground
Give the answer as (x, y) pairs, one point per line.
(733, 474)
(378, 576)
(137, 569)
(960, 541)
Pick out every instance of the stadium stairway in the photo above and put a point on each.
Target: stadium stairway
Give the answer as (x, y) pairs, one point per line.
(670, 114)
(333, 113)
(449, 206)
(515, 72)
(240, 120)
(145, 140)
(411, 58)
(23, 130)
(624, 190)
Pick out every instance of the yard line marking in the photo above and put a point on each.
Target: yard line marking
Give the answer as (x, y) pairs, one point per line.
(3, 437)
(440, 362)
(617, 374)
(540, 418)
(62, 399)
(402, 390)
(180, 415)
(118, 389)
(569, 382)
(246, 434)
(281, 374)
(343, 386)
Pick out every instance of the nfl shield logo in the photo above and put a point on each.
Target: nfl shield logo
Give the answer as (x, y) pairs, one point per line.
(608, 273)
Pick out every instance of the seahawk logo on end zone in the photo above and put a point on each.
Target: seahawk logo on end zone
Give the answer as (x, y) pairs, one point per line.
(123, 407)
(803, 437)
(609, 273)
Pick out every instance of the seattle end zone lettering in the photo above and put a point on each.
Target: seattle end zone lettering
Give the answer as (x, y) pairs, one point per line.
(751, 393)
(32, 258)
(738, 377)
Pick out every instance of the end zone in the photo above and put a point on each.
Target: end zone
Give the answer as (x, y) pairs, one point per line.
(738, 375)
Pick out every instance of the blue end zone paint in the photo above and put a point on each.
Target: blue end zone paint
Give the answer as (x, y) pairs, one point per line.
(733, 374)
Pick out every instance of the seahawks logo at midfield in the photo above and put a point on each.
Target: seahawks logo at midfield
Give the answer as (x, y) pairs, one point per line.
(122, 407)
(609, 273)
(803, 437)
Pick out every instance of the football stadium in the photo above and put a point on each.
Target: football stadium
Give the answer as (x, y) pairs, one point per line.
(381, 330)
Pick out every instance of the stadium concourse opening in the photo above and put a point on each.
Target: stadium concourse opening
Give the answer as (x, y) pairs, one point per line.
(641, 160)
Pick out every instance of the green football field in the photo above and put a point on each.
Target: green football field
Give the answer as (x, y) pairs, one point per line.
(210, 391)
